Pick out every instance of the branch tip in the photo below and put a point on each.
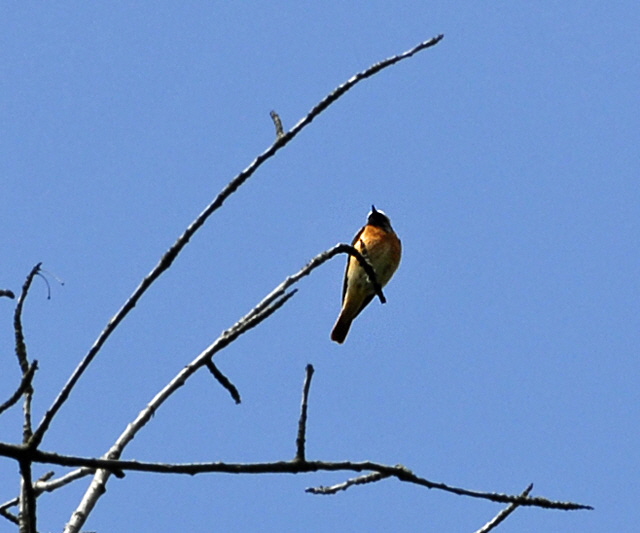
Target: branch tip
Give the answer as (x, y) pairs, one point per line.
(223, 380)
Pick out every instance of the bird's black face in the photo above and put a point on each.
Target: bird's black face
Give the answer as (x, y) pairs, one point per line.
(378, 219)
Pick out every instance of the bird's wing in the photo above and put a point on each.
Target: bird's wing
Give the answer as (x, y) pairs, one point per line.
(346, 269)
(365, 302)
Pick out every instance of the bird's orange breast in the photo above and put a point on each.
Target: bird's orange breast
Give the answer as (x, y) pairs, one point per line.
(383, 250)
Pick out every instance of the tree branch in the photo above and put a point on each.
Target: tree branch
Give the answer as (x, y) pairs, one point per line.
(25, 384)
(399, 472)
(21, 347)
(168, 258)
(27, 515)
(302, 423)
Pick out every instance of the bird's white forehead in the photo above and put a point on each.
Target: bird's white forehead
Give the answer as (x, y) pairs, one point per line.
(378, 211)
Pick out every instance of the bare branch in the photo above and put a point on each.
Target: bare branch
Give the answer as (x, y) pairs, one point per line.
(25, 384)
(340, 90)
(21, 352)
(286, 467)
(7, 293)
(493, 523)
(168, 258)
(360, 480)
(307, 269)
(62, 481)
(302, 423)
(21, 348)
(223, 380)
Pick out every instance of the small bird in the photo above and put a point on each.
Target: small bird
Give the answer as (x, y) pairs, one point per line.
(380, 245)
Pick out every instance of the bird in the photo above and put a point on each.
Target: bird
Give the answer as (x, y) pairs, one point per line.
(380, 245)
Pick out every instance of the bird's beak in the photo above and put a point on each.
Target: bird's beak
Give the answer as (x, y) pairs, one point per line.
(373, 208)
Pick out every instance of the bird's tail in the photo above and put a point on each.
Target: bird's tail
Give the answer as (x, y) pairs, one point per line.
(340, 330)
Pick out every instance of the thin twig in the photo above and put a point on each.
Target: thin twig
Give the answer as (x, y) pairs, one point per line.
(62, 481)
(366, 264)
(43, 479)
(360, 480)
(302, 423)
(223, 380)
(176, 248)
(493, 523)
(7, 293)
(43, 485)
(25, 384)
(340, 90)
(277, 122)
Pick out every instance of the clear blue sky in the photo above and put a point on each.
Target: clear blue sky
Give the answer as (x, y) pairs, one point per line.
(508, 160)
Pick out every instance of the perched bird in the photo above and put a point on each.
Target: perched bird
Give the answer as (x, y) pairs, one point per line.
(380, 245)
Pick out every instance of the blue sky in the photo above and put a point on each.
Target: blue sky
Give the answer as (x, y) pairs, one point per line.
(507, 158)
